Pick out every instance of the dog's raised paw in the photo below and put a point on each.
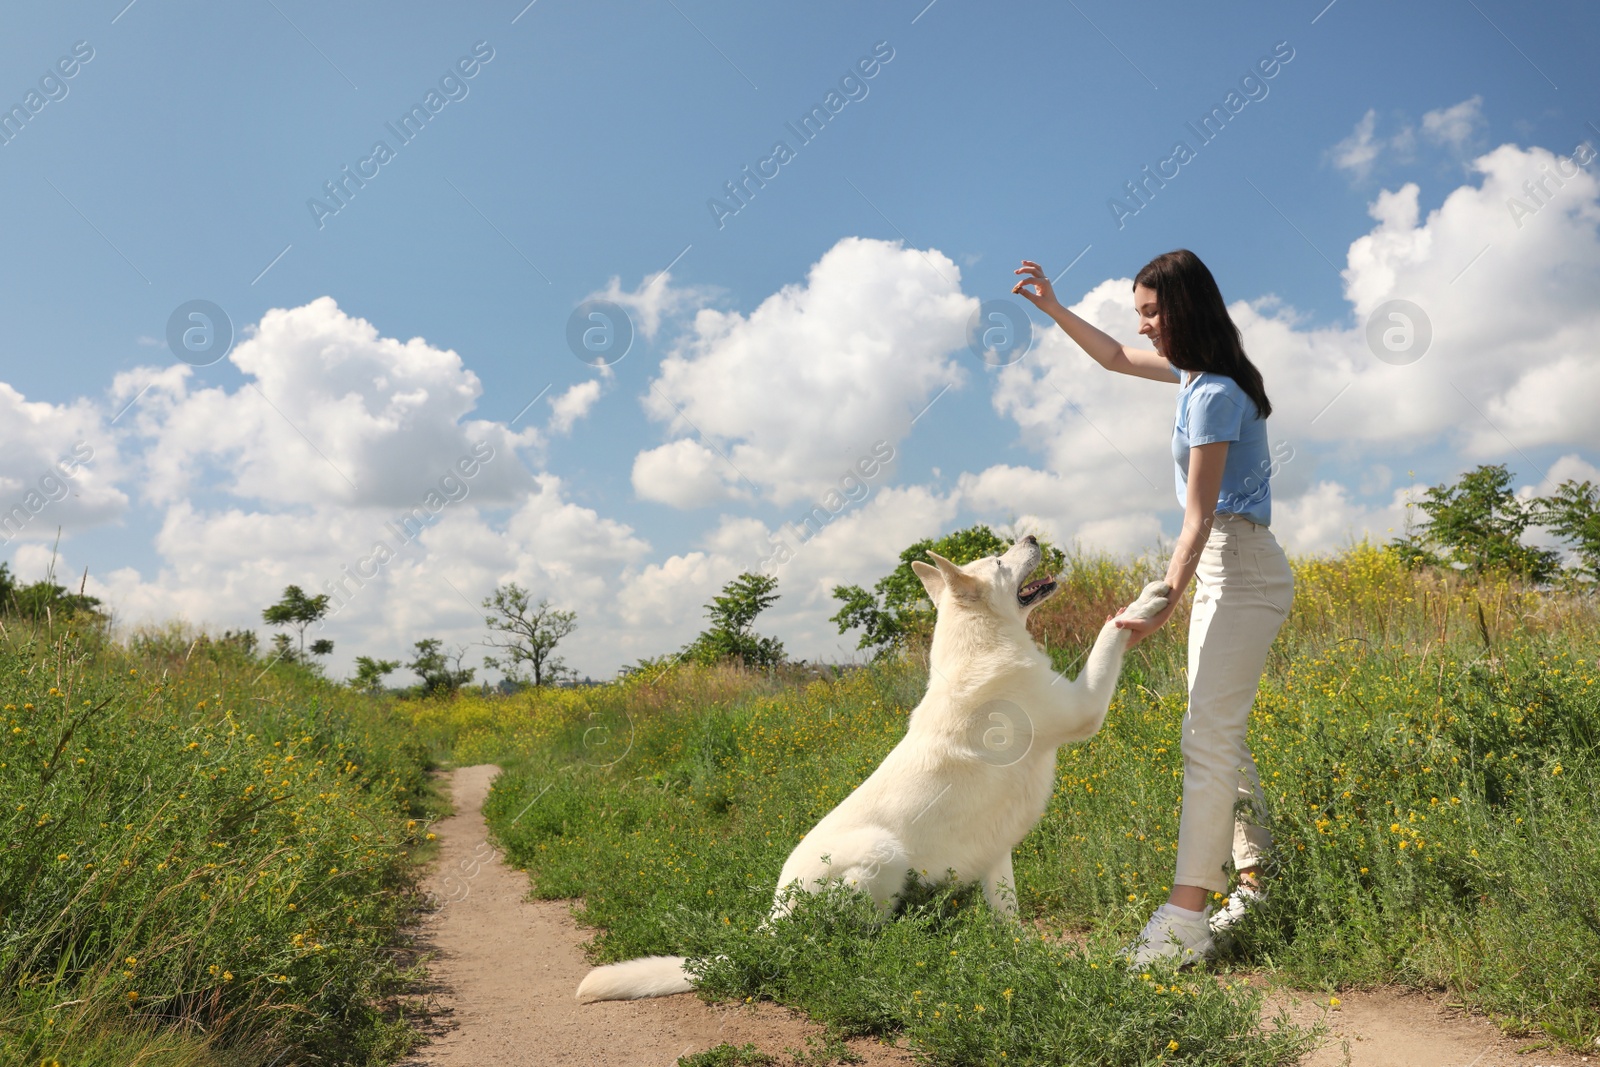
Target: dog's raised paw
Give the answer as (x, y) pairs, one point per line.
(1152, 601)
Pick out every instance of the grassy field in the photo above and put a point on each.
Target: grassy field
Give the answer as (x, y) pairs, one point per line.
(205, 863)
(1428, 745)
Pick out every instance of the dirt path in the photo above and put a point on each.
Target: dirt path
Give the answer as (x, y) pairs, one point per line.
(506, 969)
(1403, 1028)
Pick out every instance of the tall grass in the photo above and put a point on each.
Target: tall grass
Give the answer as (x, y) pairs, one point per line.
(205, 862)
(1427, 744)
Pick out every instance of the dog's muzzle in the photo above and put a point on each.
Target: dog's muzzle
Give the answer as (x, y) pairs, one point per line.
(1036, 590)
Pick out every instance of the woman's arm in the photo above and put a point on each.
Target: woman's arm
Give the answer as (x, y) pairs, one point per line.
(1199, 513)
(1101, 346)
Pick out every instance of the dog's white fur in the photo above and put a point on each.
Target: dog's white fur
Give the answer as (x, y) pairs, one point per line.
(972, 774)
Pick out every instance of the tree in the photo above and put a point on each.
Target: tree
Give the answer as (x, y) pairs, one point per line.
(527, 635)
(299, 611)
(898, 609)
(44, 599)
(1478, 523)
(283, 649)
(370, 673)
(242, 642)
(1573, 513)
(433, 665)
(321, 647)
(732, 615)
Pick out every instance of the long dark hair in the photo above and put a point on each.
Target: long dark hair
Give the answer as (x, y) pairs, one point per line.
(1196, 332)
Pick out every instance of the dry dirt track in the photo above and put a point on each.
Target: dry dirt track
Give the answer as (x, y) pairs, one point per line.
(506, 969)
(1399, 1028)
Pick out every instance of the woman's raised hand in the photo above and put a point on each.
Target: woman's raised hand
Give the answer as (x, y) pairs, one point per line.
(1043, 294)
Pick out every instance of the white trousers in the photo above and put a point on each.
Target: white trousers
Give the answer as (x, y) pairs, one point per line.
(1243, 592)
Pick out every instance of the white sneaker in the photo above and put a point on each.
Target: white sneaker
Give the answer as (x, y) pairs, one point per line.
(1233, 909)
(1172, 935)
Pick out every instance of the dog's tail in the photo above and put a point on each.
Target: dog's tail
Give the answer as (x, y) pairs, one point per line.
(651, 976)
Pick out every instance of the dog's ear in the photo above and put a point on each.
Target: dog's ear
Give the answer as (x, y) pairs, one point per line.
(951, 577)
(932, 580)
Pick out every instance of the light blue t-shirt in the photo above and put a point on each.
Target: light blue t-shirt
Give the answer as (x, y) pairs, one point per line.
(1212, 407)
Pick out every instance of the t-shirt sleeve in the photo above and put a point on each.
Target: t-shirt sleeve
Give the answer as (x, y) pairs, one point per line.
(1176, 373)
(1214, 415)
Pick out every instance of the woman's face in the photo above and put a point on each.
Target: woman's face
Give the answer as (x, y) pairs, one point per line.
(1144, 302)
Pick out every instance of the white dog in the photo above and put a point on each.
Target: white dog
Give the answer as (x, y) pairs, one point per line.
(975, 769)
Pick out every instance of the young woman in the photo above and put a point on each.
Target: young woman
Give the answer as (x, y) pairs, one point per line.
(1244, 587)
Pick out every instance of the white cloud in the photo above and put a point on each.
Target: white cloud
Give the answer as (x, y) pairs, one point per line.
(1325, 519)
(861, 544)
(654, 300)
(1105, 439)
(332, 414)
(1459, 128)
(1569, 468)
(58, 465)
(1036, 501)
(572, 405)
(864, 542)
(1512, 367)
(1510, 301)
(815, 374)
(1357, 152)
(220, 568)
(442, 510)
(684, 474)
(1456, 127)
(1509, 297)
(1555, 404)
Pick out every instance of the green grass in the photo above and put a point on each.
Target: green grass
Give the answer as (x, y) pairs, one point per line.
(208, 864)
(1428, 747)
(204, 863)
(677, 848)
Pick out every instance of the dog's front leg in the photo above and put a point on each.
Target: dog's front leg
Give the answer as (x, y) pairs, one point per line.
(1100, 674)
(1076, 709)
(1000, 888)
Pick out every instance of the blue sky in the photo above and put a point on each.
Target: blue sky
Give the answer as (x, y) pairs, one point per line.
(179, 163)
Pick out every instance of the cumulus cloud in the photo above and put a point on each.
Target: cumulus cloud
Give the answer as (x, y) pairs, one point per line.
(814, 375)
(58, 467)
(1509, 299)
(1511, 367)
(390, 585)
(1327, 517)
(348, 463)
(331, 413)
(1569, 468)
(863, 543)
(1104, 439)
(685, 474)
